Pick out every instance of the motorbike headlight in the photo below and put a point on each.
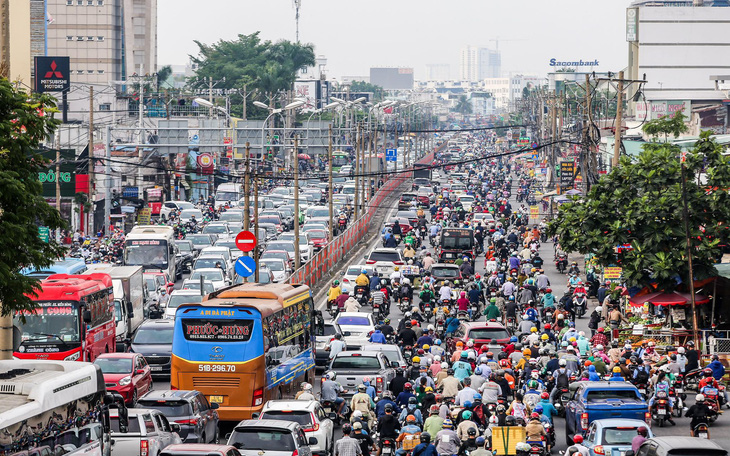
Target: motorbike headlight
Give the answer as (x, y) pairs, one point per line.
(125, 381)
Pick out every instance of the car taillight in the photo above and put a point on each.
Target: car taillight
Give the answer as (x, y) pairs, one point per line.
(258, 397)
(315, 425)
(598, 449)
(379, 384)
(584, 420)
(174, 388)
(144, 447)
(191, 422)
(647, 418)
(398, 262)
(370, 262)
(295, 453)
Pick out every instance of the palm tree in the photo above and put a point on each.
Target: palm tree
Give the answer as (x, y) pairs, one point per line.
(463, 105)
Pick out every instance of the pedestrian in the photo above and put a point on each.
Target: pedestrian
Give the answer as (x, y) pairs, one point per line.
(347, 446)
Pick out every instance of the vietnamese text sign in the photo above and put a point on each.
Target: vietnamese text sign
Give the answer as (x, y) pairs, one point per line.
(534, 212)
(612, 273)
(567, 170)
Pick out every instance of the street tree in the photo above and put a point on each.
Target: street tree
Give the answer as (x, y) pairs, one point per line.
(463, 105)
(362, 86)
(633, 217)
(25, 121)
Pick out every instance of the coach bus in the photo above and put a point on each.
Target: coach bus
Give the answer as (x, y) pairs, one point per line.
(74, 320)
(53, 407)
(244, 345)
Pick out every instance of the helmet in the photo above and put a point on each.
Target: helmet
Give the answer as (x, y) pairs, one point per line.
(707, 372)
(533, 329)
(426, 346)
(434, 409)
(601, 329)
(480, 440)
(535, 416)
(467, 404)
(416, 359)
(501, 408)
(544, 395)
(562, 363)
(547, 326)
(412, 400)
(414, 322)
(331, 375)
(599, 347)
(396, 268)
(388, 408)
(532, 384)
(425, 437)
(539, 409)
(464, 354)
(477, 397)
(448, 424)
(361, 388)
(410, 419)
(513, 339)
(431, 328)
(614, 343)
(356, 425)
(578, 438)
(700, 398)
(437, 358)
(642, 431)
(680, 350)
(337, 282)
(444, 365)
(307, 387)
(545, 337)
(616, 370)
(467, 415)
(408, 386)
(509, 420)
(599, 309)
(471, 432)
(437, 341)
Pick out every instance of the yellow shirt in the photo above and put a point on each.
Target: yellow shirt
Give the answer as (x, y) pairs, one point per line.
(362, 280)
(334, 293)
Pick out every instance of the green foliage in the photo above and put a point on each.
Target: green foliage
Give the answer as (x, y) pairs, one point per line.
(463, 105)
(25, 121)
(666, 125)
(640, 204)
(362, 86)
(262, 66)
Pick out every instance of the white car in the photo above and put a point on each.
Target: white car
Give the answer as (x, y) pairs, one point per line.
(222, 230)
(310, 416)
(278, 267)
(306, 251)
(220, 250)
(467, 202)
(354, 270)
(184, 296)
(215, 275)
(384, 260)
(169, 206)
(355, 327)
(186, 215)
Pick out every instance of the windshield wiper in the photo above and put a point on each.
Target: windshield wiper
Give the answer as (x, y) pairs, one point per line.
(47, 336)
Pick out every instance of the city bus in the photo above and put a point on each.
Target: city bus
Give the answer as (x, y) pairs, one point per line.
(456, 243)
(152, 247)
(340, 159)
(53, 407)
(74, 320)
(243, 345)
(62, 266)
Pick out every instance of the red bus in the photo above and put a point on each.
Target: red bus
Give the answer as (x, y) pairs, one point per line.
(74, 320)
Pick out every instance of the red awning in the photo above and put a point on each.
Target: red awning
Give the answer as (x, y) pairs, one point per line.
(667, 299)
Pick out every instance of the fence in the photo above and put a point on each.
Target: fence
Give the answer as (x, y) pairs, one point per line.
(331, 254)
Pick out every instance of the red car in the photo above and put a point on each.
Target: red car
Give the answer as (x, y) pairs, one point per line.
(319, 238)
(126, 373)
(481, 333)
(163, 280)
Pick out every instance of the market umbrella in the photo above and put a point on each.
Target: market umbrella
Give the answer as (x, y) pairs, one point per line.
(304, 157)
(674, 298)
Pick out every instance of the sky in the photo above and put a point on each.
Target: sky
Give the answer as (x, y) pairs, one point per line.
(355, 36)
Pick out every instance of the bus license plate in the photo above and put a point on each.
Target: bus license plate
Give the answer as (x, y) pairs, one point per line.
(215, 399)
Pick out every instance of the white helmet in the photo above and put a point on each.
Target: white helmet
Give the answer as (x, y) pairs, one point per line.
(307, 387)
(431, 328)
(471, 356)
(405, 281)
(599, 347)
(700, 398)
(599, 309)
(470, 343)
(437, 358)
(680, 350)
(582, 333)
(562, 363)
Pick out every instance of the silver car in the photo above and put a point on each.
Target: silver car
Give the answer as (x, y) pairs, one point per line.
(271, 437)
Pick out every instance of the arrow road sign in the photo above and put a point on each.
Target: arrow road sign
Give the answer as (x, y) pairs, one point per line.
(245, 266)
(391, 155)
(245, 241)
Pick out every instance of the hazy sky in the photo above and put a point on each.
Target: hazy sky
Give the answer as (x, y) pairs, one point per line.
(355, 35)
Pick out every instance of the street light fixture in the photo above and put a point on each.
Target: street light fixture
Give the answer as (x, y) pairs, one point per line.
(261, 105)
(338, 100)
(203, 102)
(294, 105)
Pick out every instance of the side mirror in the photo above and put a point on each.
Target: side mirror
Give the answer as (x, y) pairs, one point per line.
(215, 406)
(170, 284)
(87, 316)
(130, 309)
(139, 372)
(255, 416)
(175, 427)
(313, 440)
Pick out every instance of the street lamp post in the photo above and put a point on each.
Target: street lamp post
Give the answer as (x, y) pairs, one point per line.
(272, 112)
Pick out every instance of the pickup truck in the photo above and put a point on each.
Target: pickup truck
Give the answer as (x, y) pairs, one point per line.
(590, 401)
(148, 433)
(352, 367)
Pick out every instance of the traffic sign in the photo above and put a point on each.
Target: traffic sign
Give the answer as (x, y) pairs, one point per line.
(245, 241)
(44, 233)
(245, 266)
(391, 155)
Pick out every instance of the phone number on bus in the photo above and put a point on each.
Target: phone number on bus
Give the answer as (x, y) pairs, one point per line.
(216, 368)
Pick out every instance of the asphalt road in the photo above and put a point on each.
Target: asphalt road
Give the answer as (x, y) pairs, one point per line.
(720, 430)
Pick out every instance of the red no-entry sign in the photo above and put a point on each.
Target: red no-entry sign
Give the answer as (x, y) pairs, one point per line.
(245, 241)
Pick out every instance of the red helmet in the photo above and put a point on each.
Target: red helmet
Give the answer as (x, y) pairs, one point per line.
(547, 326)
(477, 276)
(414, 322)
(578, 438)
(601, 329)
(408, 386)
(549, 290)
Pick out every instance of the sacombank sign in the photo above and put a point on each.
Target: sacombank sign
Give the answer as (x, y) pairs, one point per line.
(574, 63)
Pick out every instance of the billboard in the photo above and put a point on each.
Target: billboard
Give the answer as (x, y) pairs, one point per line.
(307, 90)
(655, 109)
(52, 74)
(392, 78)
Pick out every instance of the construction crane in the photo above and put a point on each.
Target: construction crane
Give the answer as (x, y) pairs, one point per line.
(297, 4)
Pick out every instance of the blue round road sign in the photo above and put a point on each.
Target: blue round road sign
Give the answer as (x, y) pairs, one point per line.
(245, 266)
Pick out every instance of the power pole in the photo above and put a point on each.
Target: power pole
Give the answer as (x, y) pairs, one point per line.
(619, 115)
(256, 223)
(357, 173)
(554, 148)
(329, 188)
(92, 197)
(247, 191)
(244, 102)
(5, 51)
(588, 157)
(363, 178)
(296, 203)
(57, 144)
(685, 213)
(108, 181)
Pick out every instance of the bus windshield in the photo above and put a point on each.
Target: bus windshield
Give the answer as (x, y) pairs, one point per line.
(147, 252)
(454, 242)
(51, 322)
(227, 196)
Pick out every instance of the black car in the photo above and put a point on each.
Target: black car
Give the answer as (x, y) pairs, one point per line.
(198, 419)
(153, 340)
(185, 256)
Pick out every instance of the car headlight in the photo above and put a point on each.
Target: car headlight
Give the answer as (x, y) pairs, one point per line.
(125, 381)
(73, 357)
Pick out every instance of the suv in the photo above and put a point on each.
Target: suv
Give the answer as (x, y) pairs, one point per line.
(310, 416)
(273, 437)
(685, 446)
(481, 333)
(153, 340)
(405, 201)
(384, 260)
(148, 432)
(198, 419)
(202, 449)
(169, 206)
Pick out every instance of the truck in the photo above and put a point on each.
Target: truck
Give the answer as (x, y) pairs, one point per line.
(352, 367)
(422, 171)
(147, 433)
(590, 401)
(455, 243)
(129, 298)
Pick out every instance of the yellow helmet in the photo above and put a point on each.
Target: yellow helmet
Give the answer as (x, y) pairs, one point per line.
(616, 370)
(416, 359)
(397, 268)
(533, 329)
(426, 346)
(544, 337)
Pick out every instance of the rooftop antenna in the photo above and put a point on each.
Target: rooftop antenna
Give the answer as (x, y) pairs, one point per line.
(297, 5)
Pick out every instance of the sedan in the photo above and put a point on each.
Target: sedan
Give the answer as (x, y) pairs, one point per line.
(127, 374)
(612, 437)
(222, 230)
(306, 250)
(277, 267)
(215, 275)
(318, 238)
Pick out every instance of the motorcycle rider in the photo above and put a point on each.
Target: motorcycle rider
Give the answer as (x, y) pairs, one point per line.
(336, 346)
(388, 426)
(534, 429)
(699, 412)
(447, 440)
(409, 435)
(306, 394)
(412, 409)
(383, 403)
(363, 281)
(334, 292)
(363, 402)
(470, 444)
(425, 448)
(377, 337)
(407, 336)
(331, 391)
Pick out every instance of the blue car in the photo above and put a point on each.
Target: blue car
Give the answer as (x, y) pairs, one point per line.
(612, 437)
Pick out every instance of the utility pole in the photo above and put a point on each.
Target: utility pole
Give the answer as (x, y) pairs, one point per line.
(256, 223)
(296, 203)
(554, 148)
(247, 191)
(617, 136)
(363, 176)
(90, 228)
(329, 188)
(108, 180)
(357, 173)
(588, 157)
(5, 43)
(57, 143)
(244, 102)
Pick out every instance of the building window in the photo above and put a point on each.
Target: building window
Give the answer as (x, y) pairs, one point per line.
(90, 71)
(89, 38)
(79, 38)
(100, 71)
(69, 38)
(99, 38)
(79, 2)
(100, 2)
(69, 2)
(105, 106)
(89, 2)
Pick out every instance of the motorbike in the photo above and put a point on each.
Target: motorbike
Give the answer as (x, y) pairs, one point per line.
(660, 409)
(711, 400)
(701, 431)
(422, 232)
(561, 263)
(404, 304)
(331, 308)
(387, 446)
(427, 311)
(342, 224)
(408, 353)
(474, 308)
(376, 311)
(679, 395)
(360, 295)
(547, 314)
(642, 390)
(562, 400)
(580, 304)
(330, 409)
(511, 324)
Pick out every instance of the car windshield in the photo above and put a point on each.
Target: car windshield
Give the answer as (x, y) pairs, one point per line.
(132, 427)
(301, 417)
(199, 240)
(288, 246)
(168, 408)
(384, 256)
(488, 333)
(153, 335)
(356, 362)
(151, 284)
(114, 365)
(445, 272)
(603, 395)
(213, 276)
(329, 330)
(454, 242)
(208, 263)
(270, 219)
(184, 246)
(215, 229)
(231, 217)
(176, 300)
(274, 265)
(263, 439)
(356, 321)
(618, 435)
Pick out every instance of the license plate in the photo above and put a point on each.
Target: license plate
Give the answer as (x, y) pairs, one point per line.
(661, 412)
(215, 399)
(642, 391)
(156, 368)
(387, 450)
(680, 390)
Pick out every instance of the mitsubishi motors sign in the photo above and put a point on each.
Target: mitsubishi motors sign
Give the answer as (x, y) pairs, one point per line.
(52, 74)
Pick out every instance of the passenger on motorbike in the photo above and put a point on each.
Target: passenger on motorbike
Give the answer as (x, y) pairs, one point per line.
(699, 412)
(447, 441)
(363, 402)
(334, 292)
(409, 436)
(377, 337)
(534, 430)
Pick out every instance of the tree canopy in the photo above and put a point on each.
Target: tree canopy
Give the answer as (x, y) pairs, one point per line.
(262, 66)
(362, 86)
(463, 105)
(25, 121)
(634, 218)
